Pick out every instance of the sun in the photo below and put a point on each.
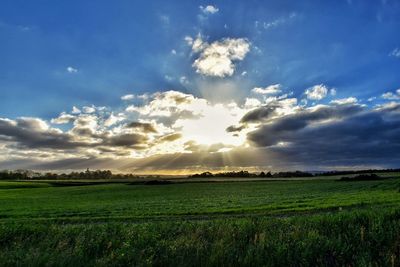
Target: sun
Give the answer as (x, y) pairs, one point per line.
(210, 127)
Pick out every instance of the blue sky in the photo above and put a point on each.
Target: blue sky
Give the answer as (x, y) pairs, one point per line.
(58, 54)
(125, 47)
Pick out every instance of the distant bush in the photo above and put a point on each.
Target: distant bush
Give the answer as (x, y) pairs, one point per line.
(246, 174)
(362, 177)
(333, 173)
(157, 182)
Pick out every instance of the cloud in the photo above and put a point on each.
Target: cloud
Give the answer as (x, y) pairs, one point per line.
(127, 97)
(126, 140)
(184, 80)
(344, 101)
(167, 104)
(170, 137)
(392, 96)
(63, 118)
(143, 126)
(172, 130)
(89, 110)
(395, 52)
(35, 133)
(218, 58)
(316, 92)
(234, 128)
(274, 108)
(75, 110)
(284, 129)
(277, 22)
(344, 135)
(274, 23)
(72, 70)
(209, 9)
(259, 114)
(196, 118)
(112, 119)
(188, 40)
(197, 44)
(269, 90)
(165, 20)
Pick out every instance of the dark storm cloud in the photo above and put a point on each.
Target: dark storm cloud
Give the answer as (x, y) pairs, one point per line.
(358, 136)
(234, 128)
(145, 127)
(286, 127)
(125, 140)
(170, 137)
(30, 133)
(259, 114)
(83, 131)
(34, 133)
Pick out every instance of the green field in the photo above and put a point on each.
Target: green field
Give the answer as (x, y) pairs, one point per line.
(272, 223)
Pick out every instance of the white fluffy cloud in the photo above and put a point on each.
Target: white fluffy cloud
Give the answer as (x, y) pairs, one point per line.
(89, 110)
(72, 69)
(392, 96)
(128, 97)
(317, 92)
(63, 118)
(75, 110)
(218, 58)
(209, 9)
(269, 90)
(113, 119)
(344, 101)
(395, 52)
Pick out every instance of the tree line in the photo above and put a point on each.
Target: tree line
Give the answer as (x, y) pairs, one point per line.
(83, 175)
(107, 174)
(287, 174)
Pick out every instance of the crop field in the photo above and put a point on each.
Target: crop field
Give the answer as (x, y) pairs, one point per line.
(256, 223)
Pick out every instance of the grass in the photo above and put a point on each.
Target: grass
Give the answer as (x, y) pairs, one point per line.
(277, 223)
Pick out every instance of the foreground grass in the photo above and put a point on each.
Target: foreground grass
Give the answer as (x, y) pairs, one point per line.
(362, 238)
(140, 202)
(280, 223)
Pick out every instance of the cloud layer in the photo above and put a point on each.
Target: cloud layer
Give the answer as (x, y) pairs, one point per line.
(173, 131)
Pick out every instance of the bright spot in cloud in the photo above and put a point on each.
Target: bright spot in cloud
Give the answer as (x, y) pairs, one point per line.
(210, 127)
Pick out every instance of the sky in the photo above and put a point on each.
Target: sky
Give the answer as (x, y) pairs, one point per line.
(177, 87)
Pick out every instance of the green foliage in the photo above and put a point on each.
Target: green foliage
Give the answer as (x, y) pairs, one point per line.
(346, 239)
(291, 223)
